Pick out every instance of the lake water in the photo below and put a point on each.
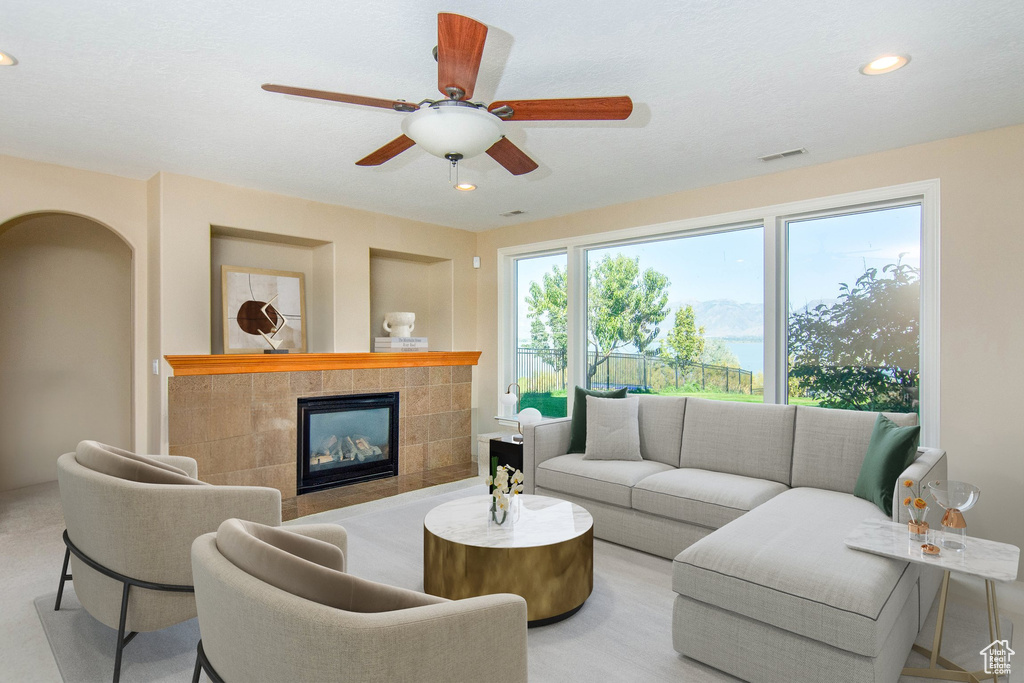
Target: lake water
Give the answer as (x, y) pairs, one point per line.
(750, 354)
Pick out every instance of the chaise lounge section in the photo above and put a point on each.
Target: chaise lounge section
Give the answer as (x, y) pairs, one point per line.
(752, 502)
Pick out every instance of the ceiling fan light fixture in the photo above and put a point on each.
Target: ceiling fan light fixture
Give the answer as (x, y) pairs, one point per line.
(452, 127)
(465, 187)
(7, 60)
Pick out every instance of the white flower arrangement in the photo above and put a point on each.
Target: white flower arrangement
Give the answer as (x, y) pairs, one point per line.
(503, 487)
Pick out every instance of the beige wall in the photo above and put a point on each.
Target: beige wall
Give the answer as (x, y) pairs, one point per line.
(166, 221)
(189, 206)
(65, 373)
(422, 287)
(982, 287)
(119, 204)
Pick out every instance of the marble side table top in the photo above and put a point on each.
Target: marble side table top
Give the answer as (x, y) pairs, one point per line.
(541, 521)
(986, 559)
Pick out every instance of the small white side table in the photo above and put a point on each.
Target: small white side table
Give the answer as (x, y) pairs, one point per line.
(989, 560)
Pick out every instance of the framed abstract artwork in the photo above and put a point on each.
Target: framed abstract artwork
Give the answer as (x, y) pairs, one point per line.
(263, 309)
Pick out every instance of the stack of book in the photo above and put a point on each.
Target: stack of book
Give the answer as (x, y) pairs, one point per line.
(399, 344)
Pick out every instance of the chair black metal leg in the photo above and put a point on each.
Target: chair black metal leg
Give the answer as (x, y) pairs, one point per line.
(127, 581)
(64, 577)
(120, 633)
(203, 663)
(199, 666)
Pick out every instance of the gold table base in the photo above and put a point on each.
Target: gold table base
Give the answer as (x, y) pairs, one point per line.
(950, 671)
(554, 579)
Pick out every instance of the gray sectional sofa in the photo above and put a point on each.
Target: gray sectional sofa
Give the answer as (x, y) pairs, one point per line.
(752, 502)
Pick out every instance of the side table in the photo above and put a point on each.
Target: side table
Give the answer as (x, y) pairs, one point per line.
(989, 560)
(506, 451)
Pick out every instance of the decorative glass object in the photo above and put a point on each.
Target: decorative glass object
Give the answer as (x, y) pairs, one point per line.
(506, 516)
(505, 489)
(917, 508)
(918, 530)
(955, 497)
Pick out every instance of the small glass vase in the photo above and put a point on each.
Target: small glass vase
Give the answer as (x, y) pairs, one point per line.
(918, 530)
(503, 518)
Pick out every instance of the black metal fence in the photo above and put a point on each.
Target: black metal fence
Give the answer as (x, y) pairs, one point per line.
(544, 371)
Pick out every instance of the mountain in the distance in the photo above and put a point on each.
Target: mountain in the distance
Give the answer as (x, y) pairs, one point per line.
(726, 318)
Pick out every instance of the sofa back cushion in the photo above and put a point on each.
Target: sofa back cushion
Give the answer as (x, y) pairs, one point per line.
(829, 445)
(749, 439)
(661, 427)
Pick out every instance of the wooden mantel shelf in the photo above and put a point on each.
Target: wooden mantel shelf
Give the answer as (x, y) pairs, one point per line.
(235, 364)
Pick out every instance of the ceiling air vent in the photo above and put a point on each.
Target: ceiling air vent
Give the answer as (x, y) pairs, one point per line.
(783, 155)
(509, 214)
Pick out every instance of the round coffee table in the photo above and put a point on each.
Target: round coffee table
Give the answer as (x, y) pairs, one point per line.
(545, 555)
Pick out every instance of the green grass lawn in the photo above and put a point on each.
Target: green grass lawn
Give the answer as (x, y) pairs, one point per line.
(554, 404)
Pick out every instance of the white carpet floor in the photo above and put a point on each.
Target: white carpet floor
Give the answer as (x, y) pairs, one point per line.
(623, 632)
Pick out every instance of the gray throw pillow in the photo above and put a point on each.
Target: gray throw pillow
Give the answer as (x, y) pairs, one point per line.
(122, 464)
(613, 429)
(308, 568)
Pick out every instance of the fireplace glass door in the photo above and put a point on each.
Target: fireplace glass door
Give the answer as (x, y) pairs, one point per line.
(346, 439)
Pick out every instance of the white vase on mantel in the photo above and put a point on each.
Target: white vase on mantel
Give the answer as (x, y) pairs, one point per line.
(399, 324)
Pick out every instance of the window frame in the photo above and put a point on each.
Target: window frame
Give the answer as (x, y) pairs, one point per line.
(774, 220)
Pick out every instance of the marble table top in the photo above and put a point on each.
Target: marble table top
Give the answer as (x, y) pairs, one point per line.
(541, 521)
(986, 559)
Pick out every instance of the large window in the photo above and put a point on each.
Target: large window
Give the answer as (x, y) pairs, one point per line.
(682, 316)
(854, 309)
(830, 302)
(541, 337)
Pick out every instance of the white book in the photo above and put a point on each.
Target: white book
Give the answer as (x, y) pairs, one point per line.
(401, 340)
(399, 350)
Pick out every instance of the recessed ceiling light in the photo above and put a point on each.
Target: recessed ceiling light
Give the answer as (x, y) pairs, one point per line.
(7, 60)
(465, 187)
(884, 65)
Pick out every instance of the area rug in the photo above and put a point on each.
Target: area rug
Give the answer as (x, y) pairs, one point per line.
(623, 633)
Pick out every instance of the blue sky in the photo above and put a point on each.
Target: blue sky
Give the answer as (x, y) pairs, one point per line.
(822, 253)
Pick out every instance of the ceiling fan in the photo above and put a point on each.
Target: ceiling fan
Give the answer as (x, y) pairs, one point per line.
(454, 128)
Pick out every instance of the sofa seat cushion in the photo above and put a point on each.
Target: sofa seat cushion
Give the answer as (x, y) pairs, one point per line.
(784, 563)
(609, 481)
(702, 497)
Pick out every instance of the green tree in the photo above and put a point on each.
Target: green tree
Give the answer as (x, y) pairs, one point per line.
(685, 342)
(547, 308)
(626, 306)
(861, 352)
(717, 352)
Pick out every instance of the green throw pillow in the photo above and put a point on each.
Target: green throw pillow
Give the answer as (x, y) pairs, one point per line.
(890, 451)
(578, 426)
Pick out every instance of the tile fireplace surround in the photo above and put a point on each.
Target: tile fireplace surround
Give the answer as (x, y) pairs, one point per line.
(236, 415)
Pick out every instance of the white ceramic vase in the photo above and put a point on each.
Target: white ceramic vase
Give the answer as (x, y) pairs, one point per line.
(399, 324)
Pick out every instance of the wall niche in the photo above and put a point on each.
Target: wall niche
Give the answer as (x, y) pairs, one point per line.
(401, 281)
(313, 258)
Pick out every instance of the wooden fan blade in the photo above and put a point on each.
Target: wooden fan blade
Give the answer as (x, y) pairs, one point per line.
(511, 157)
(578, 109)
(388, 151)
(460, 45)
(397, 105)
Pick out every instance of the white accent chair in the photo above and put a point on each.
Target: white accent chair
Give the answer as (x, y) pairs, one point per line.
(254, 631)
(129, 542)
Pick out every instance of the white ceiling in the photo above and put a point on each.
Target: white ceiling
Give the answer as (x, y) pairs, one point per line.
(132, 87)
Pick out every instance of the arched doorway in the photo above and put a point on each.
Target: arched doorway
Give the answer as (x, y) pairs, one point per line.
(65, 342)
